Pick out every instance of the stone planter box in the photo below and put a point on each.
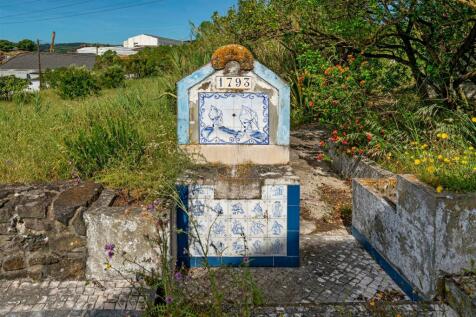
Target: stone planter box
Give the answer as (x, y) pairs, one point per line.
(414, 230)
(352, 167)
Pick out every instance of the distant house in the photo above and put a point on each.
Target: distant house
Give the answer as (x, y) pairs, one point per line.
(143, 40)
(121, 51)
(26, 65)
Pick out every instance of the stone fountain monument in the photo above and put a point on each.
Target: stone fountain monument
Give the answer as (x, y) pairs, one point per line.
(241, 201)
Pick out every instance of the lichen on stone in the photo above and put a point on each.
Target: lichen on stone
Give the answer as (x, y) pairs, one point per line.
(232, 52)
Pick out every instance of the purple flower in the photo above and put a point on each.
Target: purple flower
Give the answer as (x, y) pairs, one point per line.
(109, 254)
(109, 247)
(150, 208)
(178, 276)
(169, 300)
(246, 259)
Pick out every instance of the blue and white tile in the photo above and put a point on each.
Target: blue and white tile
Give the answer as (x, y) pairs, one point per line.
(201, 191)
(195, 249)
(238, 227)
(257, 228)
(237, 208)
(218, 209)
(277, 208)
(233, 118)
(198, 208)
(257, 247)
(219, 228)
(277, 246)
(275, 192)
(256, 209)
(217, 247)
(277, 228)
(199, 228)
(236, 247)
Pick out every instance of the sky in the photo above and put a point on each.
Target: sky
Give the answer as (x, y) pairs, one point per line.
(103, 21)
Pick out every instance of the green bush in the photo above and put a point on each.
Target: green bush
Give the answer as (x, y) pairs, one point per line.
(112, 77)
(26, 45)
(6, 45)
(109, 58)
(103, 143)
(76, 82)
(11, 86)
(52, 77)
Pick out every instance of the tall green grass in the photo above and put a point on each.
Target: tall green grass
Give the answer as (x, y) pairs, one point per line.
(123, 138)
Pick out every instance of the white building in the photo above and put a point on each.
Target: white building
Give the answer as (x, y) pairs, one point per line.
(121, 51)
(149, 40)
(26, 65)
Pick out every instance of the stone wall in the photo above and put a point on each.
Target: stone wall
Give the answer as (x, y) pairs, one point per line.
(420, 233)
(42, 231)
(353, 167)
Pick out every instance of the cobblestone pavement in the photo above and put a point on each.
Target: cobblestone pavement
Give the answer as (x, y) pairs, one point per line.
(357, 310)
(334, 269)
(70, 298)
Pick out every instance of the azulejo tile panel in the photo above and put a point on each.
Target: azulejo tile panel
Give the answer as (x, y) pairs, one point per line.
(236, 228)
(233, 118)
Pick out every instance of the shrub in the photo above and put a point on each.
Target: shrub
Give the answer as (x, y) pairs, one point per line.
(112, 77)
(109, 58)
(103, 143)
(76, 82)
(52, 77)
(6, 45)
(11, 86)
(26, 45)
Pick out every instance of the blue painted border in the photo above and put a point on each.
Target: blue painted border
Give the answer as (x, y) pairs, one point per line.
(387, 267)
(183, 107)
(182, 227)
(284, 107)
(291, 260)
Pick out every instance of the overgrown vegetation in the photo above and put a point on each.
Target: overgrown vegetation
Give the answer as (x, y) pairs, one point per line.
(124, 138)
(379, 74)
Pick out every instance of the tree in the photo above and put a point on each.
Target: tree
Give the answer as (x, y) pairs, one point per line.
(26, 45)
(6, 45)
(434, 39)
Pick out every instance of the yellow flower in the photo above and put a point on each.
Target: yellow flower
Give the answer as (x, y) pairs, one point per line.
(107, 266)
(442, 135)
(424, 146)
(440, 157)
(430, 169)
(439, 189)
(473, 119)
(417, 162)
(447, 160)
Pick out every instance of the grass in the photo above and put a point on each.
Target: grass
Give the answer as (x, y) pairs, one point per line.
(51, 139)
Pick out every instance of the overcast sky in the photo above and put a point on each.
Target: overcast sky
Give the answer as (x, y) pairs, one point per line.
(104, 21)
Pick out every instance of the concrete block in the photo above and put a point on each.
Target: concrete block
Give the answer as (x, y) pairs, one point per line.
(130, 229)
